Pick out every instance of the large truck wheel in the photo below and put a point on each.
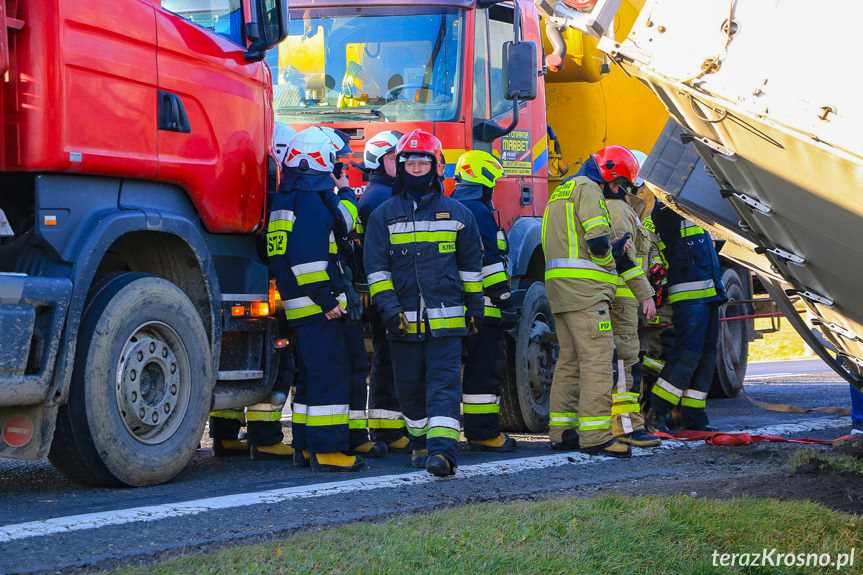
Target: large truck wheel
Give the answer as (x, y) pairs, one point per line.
(733, 348)
(141, 385)
(530, 366)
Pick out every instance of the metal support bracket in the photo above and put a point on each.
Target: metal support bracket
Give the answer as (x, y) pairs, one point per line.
(749, 201)
(837, 329)
(782, 254)
(813, 297)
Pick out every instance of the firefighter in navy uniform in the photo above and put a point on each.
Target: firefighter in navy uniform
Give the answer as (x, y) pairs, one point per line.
(423, 257)
(264, 438)
(695, 292)
(385, 416)
(304, 258)
(485, 360)
(344, 210)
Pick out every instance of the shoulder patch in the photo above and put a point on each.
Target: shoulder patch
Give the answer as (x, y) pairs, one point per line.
(442, 216)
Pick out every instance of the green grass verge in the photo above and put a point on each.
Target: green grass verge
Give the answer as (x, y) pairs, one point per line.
(607, 535)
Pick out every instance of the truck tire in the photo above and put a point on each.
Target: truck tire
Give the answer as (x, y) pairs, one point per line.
(531, 357)
(733, 345)
(141, 385)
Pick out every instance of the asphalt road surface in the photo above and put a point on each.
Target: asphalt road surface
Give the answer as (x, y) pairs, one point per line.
(49, 525)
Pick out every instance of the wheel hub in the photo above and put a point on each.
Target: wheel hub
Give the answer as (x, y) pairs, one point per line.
(148, 386)
(540, 359)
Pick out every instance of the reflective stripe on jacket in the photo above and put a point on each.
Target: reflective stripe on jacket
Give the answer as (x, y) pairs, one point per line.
(302, 249)
(576, 278)
(494, 244)
(424, 259)
(694, 274)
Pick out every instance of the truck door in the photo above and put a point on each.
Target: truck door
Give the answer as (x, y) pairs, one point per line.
(524, 150)
(94, 109)
(213, 135)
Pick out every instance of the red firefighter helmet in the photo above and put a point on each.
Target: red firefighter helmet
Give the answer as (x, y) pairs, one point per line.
(617, 162)
(421, 143)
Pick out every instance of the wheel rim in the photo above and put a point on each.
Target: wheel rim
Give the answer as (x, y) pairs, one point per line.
(152, 383)
(732, 335)
(540, 358)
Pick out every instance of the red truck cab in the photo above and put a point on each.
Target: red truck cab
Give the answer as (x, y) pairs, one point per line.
(133, 173)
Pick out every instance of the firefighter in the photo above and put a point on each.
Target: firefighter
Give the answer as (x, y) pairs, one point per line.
(304, 257)
(695, 292)
(385, 417)
(581, 279)
(423, 257)
(485, 360)
(263, 420)
(633, 292)
(343, 208)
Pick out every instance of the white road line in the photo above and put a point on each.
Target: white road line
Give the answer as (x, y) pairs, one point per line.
(157, 512)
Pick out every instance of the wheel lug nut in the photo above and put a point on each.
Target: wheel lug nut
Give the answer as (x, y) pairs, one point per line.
(155, 417)
(141, 413)
(133, 375)
(167, 407)
(174, 389)
(134, 396)
(173, 367)
(152, 347)
(140, 356)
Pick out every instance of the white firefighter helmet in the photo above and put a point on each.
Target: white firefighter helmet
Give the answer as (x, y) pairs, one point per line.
(641, 157)
(282, 136)
(312, 149)
(379, 146)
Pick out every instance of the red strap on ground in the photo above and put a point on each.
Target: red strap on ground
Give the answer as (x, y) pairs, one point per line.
(721, 438)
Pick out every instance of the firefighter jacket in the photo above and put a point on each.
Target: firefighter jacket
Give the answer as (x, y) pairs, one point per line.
(424, 259)
(495, 283)
(694, 275)
(378, 190)
(632, 283)
(576, 278)
(302, 248)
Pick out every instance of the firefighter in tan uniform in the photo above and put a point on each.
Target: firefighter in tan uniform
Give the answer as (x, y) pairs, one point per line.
(581, 280)
(633, 293)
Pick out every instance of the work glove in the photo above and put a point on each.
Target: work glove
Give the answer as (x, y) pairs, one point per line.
(474, 324)
(617, 247)
(355, 304)
(509, 318)
(398, 325)
(659, 295)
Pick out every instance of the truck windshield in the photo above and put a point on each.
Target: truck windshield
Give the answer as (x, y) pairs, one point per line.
(361, 64)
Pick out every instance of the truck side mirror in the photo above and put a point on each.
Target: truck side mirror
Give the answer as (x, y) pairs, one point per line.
(269, 28)
(519, 70)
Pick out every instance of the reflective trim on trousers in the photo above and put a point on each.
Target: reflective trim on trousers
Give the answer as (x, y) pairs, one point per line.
(588, 423)
(417, 427)
(441, 426)
(563, 419)
(480, 403)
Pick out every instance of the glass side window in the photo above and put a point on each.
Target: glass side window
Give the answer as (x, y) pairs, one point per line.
(480, 67)
(499, 31)
(364, 63)
(224, 17)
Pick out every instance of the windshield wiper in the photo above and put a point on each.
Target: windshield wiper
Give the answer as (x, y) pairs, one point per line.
(354, 111)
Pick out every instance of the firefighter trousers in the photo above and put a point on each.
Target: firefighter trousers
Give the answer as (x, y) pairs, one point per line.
(688, 373)
(359, 364)
(484, 363)
(385, 416)
(428, 383)
(626, 414)
(580, 390)
(323, 389)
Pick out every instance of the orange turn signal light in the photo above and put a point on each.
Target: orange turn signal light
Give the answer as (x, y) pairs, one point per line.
(237, 310)
(259, 308)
